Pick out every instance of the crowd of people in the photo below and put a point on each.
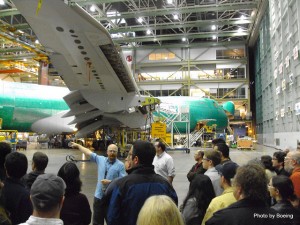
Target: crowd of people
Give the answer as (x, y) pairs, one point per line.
(140, 191)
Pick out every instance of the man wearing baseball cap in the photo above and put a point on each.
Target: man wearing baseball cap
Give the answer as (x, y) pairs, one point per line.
(227, 172)
(47, 196)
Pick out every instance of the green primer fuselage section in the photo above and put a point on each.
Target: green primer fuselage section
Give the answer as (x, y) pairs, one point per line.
(23, 104)
(200, 109)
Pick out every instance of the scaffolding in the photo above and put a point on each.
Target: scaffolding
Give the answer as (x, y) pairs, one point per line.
(174, 116)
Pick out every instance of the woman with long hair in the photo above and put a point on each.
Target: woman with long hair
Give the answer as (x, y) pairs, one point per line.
(200, 194)
(282, 190)
(76, 208)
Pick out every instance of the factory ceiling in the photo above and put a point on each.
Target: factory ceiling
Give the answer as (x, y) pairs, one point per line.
(144, 24)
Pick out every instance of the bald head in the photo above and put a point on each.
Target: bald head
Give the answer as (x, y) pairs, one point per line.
(112, 151)
(112, 147)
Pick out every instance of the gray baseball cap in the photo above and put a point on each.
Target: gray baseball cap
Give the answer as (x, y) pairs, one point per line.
(47, 191)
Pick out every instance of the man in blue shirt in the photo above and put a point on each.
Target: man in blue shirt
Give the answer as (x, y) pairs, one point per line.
(109, 168)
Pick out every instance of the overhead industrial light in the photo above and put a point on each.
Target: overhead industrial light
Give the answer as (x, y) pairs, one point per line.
(2, 2)
(240, 30)
(148, 31)
(93, 8)
(213, 27)
(175, 17)
(183, 39)
(242, 17)
(140, 19)
(37, 41)
(214, 37)
(169, 2)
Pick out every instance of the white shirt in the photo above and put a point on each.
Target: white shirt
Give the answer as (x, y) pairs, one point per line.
(42, 221)
(164, 165)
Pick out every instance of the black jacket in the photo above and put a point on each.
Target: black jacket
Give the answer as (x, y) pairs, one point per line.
(130, 193)
(16, 200)
(29, 178)
(244, 212)
(76, 209)
(192, 173)
(282, 172)
(283, 208)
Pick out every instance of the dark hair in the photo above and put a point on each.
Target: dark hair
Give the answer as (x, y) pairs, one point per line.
(218, 141)
(16, 165)
(267, 162)
(214, 156)
(5, 149)
(253, 181)
(145, 151)
(201, 153)
(202, 189)
(40, 160)
(284, 185)
(279, 156)
(70, 174)
(224, 149)
(162, 145)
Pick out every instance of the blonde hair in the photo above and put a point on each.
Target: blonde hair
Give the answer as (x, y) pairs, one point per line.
(159, 209)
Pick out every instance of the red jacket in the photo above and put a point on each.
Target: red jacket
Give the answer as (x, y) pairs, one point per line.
(295, 177)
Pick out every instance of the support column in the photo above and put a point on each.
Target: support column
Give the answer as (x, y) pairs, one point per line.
(43, 77)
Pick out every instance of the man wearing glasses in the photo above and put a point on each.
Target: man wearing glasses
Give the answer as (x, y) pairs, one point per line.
(292, 165)
(278, 163)
(109, 168)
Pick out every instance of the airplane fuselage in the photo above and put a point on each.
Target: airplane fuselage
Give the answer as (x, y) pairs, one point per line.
(195, 110)
(22, 105)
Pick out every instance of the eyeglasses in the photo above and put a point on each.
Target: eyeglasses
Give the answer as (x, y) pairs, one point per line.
(207, 159)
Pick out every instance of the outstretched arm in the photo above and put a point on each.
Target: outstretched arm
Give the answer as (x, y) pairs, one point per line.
(81, 148)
